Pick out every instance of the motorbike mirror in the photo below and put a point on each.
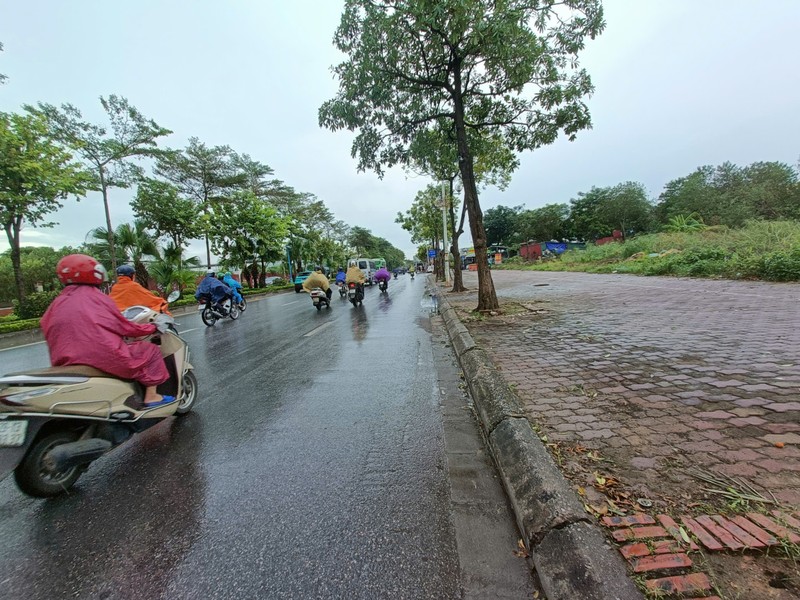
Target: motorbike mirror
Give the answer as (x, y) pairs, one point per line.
(174, 295)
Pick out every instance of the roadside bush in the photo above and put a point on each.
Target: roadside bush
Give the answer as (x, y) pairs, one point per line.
(781, 265)
(9, 318)
(34, 305)
(19, 325)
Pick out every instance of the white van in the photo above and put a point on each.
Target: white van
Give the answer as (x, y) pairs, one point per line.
(367, 265)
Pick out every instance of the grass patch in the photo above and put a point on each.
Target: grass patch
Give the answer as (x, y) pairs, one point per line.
(766, 250)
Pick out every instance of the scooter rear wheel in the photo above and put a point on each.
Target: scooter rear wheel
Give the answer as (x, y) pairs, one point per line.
(208, 317)
(34, 479)
(234, 313)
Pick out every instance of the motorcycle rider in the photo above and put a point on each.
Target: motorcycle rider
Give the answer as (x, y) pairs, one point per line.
(340, 275)
(234, 285)
(318, 279)
(355, 275)
(83, 326)
(383, 274)
(127, 292)
(213, 288)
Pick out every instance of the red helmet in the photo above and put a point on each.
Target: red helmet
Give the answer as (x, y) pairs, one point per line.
(80, 268)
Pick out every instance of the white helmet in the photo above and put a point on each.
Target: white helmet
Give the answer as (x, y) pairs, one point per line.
(352, 263)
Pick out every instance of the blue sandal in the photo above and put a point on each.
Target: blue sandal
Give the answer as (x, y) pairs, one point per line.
(166, 400)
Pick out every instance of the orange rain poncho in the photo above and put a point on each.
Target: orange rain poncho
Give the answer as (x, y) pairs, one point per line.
(126, 293)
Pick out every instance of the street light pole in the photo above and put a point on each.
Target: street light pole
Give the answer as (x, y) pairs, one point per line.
(446, 262)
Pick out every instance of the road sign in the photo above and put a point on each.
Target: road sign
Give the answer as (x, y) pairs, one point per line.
(432, 253)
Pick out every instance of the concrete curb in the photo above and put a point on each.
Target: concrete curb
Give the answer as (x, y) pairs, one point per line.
(572, 557)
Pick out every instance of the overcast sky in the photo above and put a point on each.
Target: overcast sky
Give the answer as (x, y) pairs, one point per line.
(679, 84)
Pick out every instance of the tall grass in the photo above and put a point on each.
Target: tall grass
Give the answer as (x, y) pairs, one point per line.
(768, 250)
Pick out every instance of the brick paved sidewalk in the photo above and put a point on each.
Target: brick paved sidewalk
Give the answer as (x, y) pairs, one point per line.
(658, 375)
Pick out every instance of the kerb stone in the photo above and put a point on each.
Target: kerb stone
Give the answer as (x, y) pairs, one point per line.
(541, 497)
(577, 562)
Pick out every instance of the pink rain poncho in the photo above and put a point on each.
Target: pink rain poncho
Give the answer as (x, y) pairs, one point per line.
(83, 326)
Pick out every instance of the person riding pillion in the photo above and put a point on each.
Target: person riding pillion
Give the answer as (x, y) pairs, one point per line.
(234, 285)
(318, 279)
(212, 288)
(127, 292)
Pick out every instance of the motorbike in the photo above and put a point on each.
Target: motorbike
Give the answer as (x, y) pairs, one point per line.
(342, 289)
(383, 285)
(395, 274)
(211, 312)
(412, 275)
(319, 298)
(355, 293)
(55, 422)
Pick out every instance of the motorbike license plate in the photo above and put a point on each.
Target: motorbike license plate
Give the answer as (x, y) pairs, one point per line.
(12, 433)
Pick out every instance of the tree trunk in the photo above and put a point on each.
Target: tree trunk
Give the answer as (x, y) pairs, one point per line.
(12, 232)
(487, 297)
(109, 228)
(458, 280)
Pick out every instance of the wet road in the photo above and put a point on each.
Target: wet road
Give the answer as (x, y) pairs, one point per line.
(313, 466)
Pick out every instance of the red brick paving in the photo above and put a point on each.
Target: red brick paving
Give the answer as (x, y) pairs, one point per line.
(659, 374)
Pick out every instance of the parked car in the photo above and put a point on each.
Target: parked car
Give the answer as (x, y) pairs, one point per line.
(298, 281)
(272, 280)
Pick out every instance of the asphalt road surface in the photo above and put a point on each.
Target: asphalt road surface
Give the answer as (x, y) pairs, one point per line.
(316, 464)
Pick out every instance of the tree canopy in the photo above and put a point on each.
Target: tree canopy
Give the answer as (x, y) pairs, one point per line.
(36, 173)
(507, 70)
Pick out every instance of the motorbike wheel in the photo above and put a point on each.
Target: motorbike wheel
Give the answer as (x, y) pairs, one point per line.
(189, 393)
(354, 301)
(319, 306)
(34, 479)
(208, 317)
(243, 304)
(234, 314)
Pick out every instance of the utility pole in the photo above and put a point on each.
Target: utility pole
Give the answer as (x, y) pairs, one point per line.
(445, 251)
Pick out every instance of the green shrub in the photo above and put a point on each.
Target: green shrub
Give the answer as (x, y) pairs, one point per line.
(34, 305)
(19, 325)
(9, 318)
(781, 265)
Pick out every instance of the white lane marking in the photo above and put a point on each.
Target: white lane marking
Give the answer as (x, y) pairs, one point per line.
(188, 330)
(318, 329)
(21, 346)
(288, 303)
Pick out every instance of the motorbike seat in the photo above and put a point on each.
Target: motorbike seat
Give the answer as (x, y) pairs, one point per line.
(65, 371)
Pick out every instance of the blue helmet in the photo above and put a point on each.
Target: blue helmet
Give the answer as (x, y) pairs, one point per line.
(125, 270)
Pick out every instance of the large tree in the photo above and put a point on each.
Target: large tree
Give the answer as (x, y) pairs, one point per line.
(36, 174)
(168, 213)
(507, 68)
(205, 174)
(108, 150)
(501, 224)
(543, 224)
(248, 227)
(598, 212)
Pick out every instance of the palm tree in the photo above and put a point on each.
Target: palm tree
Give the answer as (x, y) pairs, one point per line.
(132, 243)
(171, 272)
